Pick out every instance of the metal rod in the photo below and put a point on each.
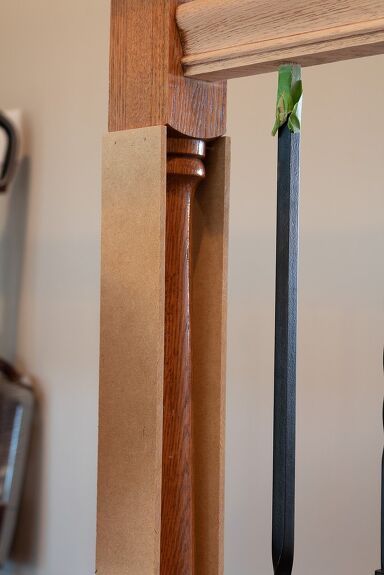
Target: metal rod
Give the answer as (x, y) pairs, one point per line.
(283, 508)
(381, 571)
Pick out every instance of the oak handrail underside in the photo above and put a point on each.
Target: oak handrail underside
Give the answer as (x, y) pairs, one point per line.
(224, 39)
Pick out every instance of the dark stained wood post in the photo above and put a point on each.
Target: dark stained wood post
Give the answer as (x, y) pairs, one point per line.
(147, 84)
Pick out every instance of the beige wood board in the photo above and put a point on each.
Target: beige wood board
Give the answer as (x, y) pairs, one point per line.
(131, 352)
(224, 39)
(209, 310)
(147, 86)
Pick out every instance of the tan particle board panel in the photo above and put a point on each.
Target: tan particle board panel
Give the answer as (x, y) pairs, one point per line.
(131, 352)
(209, 313)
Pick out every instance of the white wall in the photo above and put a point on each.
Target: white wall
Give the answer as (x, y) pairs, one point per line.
(53, 62)
(340, 381)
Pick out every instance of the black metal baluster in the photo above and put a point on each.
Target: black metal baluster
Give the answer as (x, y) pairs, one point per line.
(283, 513)
(381, 571)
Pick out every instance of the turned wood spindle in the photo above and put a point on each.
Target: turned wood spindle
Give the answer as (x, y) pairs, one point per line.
(185, 170)
(284, 427)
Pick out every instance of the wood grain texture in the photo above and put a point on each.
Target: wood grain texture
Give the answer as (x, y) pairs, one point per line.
(185, 171)
(147, 85)
(209, 314)
(131, 352)
(224, 39)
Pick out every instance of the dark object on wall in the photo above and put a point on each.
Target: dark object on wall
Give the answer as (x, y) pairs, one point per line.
(16, 411)
(283, 512)
(16, 397)
(381, 571)
(10, 158)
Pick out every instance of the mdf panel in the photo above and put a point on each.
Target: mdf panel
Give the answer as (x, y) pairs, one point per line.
(131, 352)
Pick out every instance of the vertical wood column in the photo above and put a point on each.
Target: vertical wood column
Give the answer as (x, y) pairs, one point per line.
(185, 170)
(136, 455)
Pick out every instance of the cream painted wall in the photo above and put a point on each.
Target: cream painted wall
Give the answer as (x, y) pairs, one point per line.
(53, 61)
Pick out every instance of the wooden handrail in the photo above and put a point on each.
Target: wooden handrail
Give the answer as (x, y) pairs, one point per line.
(223, 39)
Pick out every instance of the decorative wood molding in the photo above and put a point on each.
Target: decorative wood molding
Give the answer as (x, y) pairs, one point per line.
(147, 85)
(150, 98)
(225, 39)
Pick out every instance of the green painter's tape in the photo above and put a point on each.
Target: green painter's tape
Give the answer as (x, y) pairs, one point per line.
(289, 98)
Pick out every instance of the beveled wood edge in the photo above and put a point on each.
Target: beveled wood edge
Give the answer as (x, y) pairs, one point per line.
(324, 53)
